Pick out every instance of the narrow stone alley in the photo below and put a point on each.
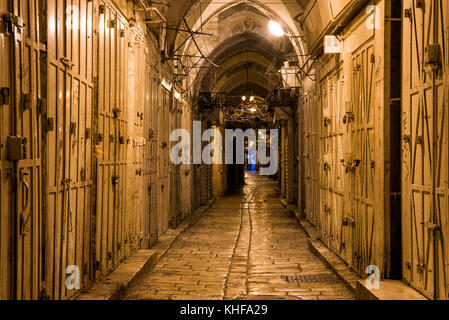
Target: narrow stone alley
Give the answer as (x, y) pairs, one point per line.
(246, 246)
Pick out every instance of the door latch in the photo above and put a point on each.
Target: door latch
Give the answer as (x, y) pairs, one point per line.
(15, 148)
(432, 55)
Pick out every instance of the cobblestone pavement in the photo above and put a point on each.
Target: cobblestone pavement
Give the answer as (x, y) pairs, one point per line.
(245, 247)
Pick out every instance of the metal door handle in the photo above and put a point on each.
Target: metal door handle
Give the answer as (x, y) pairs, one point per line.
(24, 221)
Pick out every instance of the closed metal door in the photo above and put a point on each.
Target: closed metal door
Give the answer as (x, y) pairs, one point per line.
(164, 161)
(186, 169)
(325, 150)
(332, 169)
(7, 208)
(68, 178)
(111, 139)
(175, 170)
(20, 191)
(148, 157)
(283, 158)
(152, 158)
(425, 147)
(363, 157)
(136, 176)
(311, 158)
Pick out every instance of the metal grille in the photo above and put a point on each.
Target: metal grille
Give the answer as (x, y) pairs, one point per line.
(310, 278)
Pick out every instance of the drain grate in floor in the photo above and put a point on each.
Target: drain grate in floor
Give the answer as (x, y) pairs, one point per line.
(310, 278)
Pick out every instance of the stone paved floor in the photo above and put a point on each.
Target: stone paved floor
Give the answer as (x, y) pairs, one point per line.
(245, 247)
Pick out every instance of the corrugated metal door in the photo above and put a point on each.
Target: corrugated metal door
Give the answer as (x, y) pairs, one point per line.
(6, 167)
(68, 143)
(363, 166)
(27, 125)
(175, 170)
(332, 169)
(149, 156)
(164, 161)
(425, 147)
(325, 150)
(283, 160)
(111, 148)
(186, 169)
(21, 200)
(205, 174)
(311, 158)
(136, 192)
(153, 156)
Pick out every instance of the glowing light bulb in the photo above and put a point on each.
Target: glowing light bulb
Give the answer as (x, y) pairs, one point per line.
(251, 99)
(276, 29)
(244, 98)
(253, 109)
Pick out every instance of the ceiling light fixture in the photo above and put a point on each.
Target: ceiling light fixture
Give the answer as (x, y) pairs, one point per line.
(276, 29)
(251, 99)
(244, 98)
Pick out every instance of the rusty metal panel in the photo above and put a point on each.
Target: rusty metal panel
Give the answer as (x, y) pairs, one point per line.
(68, 144)
(425, 147)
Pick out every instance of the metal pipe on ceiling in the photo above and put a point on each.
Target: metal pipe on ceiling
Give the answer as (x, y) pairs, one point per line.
(151, 9)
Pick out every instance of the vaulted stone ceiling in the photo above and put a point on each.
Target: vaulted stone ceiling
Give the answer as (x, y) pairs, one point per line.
(238, 42)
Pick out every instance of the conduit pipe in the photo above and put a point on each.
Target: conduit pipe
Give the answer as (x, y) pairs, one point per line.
(151, 9)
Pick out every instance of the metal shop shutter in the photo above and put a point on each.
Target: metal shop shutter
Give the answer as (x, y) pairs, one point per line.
(68, 130)
(112, 127)
(20, 153)
(425, 147)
